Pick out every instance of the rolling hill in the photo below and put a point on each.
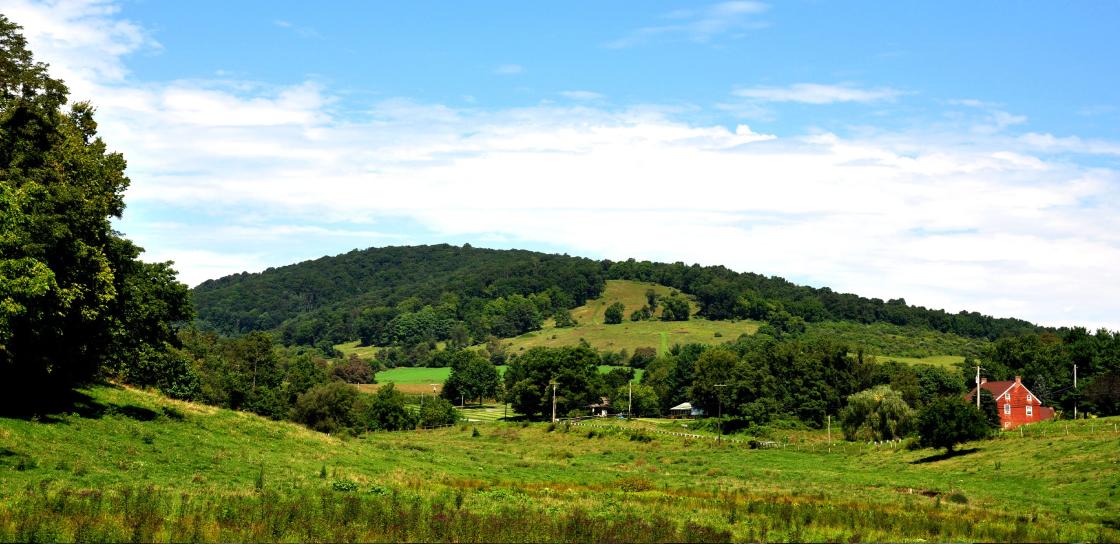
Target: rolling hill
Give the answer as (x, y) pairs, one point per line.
(337, 299)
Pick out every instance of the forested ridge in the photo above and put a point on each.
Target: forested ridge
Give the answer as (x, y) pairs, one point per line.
(322, 301)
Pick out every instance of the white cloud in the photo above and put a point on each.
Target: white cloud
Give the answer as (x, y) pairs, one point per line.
(701, 25)
(509, 69)
(816, 93)
(82, 39)
(582, 95)
(945, 218)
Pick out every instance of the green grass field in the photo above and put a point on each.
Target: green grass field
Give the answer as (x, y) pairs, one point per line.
(140, 467)
(946, 361)
(419, 380)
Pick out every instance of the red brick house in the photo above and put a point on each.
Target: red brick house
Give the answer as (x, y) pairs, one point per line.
(1017, 405)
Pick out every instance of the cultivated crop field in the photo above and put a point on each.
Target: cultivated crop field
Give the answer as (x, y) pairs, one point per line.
(131, 465)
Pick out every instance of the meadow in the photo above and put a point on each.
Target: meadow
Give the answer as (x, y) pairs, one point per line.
(423, 380)
(123, 464)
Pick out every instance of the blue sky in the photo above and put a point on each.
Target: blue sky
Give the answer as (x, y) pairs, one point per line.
(960, 155)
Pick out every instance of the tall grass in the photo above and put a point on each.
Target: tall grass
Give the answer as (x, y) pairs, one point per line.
(148, 514)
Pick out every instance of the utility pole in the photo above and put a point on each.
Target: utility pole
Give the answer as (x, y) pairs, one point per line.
(977, 387)
(554, 401)
(1075, 390)
(719, 419)
(630, 400)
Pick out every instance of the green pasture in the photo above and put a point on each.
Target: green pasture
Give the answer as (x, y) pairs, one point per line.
(946, 361)
(355, 347)
(630, 335)
(124, 464)
(632, 295)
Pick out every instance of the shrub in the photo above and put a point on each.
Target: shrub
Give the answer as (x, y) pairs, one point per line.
(613, 315)
(353, 370)
(327, 408)
(438, 412)
(385, 410)
(878, 413)
(949, 421)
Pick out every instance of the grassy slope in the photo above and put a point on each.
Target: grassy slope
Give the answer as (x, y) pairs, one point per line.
(629, 335)
(1066, 483)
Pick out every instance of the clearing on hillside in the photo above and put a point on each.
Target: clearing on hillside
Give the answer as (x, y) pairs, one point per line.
(630, 335)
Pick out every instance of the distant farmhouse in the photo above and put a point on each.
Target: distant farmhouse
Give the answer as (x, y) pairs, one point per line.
(685, 409)
(1017, 405)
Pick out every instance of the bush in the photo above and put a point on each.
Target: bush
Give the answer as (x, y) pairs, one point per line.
(353, 370)
(949, 421)
(385, 410)
(327, 408)
(438, 412)
(878, 413)
(613, 315)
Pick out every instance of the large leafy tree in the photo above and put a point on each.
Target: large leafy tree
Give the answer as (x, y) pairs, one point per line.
(472, 377)
(948, 421)
(878, 413)
(575, 371)
(74, 297)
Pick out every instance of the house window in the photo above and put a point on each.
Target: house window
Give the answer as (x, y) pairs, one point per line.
(1007, 409)
(1007, 395)
(1028, 397)
(1030, 410)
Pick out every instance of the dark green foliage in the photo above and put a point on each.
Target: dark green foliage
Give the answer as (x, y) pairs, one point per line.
(723, 293)
(613, 313)
(617, 377)
(1102, 394)
(642, 357)
(902, 341)
(328, 408)
(75, 299)
(990, 409)
(385, 410)
(671, 376)
(948, 421)
(878, 413)
(353, 370)
(304, 372)
(573, 369)
(1045, 361)
(674, 308)
(564, 319)
(171, 371)
(641, 399)
(642, 314)
(472, 377)
(438, 412)
(357, 294)
(512, 316)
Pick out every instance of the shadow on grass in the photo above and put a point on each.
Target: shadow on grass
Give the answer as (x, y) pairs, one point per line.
(944, 456)
(50, 406)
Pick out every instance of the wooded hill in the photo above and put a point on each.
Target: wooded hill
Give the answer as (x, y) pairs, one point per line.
(471, 293)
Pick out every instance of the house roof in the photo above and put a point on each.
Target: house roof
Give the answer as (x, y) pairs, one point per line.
(997, 389)
(682, 406)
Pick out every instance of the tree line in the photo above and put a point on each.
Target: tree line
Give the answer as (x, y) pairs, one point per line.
(404, 295)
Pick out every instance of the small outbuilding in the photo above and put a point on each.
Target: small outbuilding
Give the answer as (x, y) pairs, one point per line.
(601, 408)
(686, 410)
